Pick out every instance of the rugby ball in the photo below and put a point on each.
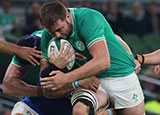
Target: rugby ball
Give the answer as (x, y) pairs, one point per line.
(55, 45)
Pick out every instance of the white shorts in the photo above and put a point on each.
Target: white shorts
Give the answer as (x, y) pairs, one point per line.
(22, 108)
(124, 92)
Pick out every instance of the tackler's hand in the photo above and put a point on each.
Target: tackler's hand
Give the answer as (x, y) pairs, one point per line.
(137, 68)
(90, 83)
(29, 54)
(55, 82)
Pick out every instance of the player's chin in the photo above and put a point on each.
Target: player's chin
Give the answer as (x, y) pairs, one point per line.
(52, 94)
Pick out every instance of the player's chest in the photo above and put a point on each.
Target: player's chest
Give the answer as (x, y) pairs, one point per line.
(80, 47)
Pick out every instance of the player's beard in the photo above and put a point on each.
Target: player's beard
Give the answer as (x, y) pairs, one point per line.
(69, 30)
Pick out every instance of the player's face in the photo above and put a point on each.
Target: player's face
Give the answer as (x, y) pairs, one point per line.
(62, 29)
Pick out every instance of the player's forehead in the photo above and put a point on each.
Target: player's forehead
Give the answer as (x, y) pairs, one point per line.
(56, 26)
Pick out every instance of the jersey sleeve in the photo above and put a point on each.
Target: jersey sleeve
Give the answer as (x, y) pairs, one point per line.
(92, 29)
(18, 63)
(46, 37)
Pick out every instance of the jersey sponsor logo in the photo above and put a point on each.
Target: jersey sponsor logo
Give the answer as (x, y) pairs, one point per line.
(80, 45)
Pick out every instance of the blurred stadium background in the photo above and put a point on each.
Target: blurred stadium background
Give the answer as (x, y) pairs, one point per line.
(137, 22)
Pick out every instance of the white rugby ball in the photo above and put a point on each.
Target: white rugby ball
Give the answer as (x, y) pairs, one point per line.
(55, 45)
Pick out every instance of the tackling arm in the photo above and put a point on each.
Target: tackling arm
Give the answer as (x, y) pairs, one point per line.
(8, 48)
(14, 86)
(152, 58)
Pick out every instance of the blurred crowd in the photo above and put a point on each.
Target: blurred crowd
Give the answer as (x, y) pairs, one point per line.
(138, 19)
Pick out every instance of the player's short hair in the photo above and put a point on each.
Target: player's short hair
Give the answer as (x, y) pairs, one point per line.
(29, 41)
(51, 12)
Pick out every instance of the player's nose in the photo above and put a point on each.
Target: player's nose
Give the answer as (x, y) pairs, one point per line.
(57, 34)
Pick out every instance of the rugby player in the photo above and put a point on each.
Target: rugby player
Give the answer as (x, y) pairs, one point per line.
(91, 36)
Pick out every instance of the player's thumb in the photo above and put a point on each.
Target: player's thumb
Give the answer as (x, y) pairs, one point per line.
(53, 73)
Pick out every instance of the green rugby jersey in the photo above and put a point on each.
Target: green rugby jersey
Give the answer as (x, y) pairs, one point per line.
(90, 27)
(32, 71)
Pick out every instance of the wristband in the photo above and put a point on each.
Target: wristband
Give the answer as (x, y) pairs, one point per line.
(109, 111)
(140, 58)
(76, 84)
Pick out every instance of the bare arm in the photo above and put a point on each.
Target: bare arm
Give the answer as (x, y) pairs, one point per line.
(25, 53)
(91, 83)
(152, 58)
(8, 48)
(14, 86)
(99, 63)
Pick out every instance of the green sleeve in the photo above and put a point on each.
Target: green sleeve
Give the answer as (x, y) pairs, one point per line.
(92, 28)
(14, 61)
(46, 37)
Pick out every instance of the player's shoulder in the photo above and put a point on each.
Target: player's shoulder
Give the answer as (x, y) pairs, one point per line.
(46, 35)
(83, 13)
(38, 33)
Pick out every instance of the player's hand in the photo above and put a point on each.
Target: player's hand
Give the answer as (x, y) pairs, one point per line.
(29, 54)
(63, 57)
(101, 112)
(57, 81)
(91, 83)
(157, 70)
(105, 112)
(137, 68)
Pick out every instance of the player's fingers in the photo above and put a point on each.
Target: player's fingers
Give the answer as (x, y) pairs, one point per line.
(45, 83)
(53, 72)
(52, 57)
(96, 85)
(37, 55)
(62, 48)
(70, 54)
(37, 51)
(93, 89)
(48, 86)
(52, 54)
(46, 79)
(67, 50)
(31, 62)
(70, 60)
(54, 88)
(34, 60)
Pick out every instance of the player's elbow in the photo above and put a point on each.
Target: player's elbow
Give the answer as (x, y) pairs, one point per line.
(6, 85)
(5, 89)
(104, 65)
